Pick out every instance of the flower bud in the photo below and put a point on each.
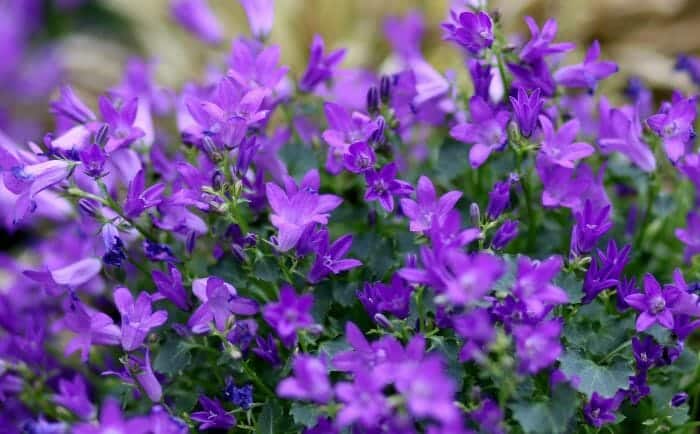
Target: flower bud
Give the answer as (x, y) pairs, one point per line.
(373, 100)
(475, 214)
(385, 89)
(102, 135)
(217, 180)
(505, 234)
(88, 207)
(679, 399)
(383, 321)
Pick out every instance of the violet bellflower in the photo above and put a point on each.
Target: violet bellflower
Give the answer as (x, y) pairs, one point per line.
(71, 276)
(472, 31)
(321, 66)
(138, 317)
(251, 69)
(526, 110)
(219, 302)
(213, 415)
(170, 286)
(541, 43)
(590, 226)
(600, 411)
(558, 147)
(309, 383)
(261, 16)
(393, 298)
(360, 158)
(690, 235)
(533, 283)
(621, 131)
(113, 421)
(478, 332)
(382, 186)
(298, 207)
(537, 346)
(499, 197)
(486, 131)
(654, 304)
(266, 349)
(674, 125)
(289, 314)
(197, 17)
(73, 396)
(646, 352)
(344, 129)
(506, 233)
(405, 34)
(90, 328)
(606, 271)
(363, 401)
(139, 198)
(427, 207)
(481, 76)
(329, 257)
(120, 119)
(240, 396)
(587, 74)
(690, 65)
(533, 75)
(139, 369)
(71, 108)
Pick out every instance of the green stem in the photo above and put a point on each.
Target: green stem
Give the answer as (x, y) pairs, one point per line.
(257, 381)
(612, 353)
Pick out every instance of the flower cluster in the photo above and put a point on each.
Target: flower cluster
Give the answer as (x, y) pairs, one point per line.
(256, 253)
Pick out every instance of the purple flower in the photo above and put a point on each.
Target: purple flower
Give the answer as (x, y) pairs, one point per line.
(654, 304)
(90, 328)
(298, 207)
(266, 349)
(321, 67)
(691, 65)
(164, 423)
(540, 43)
(679, 399)
(472, 31)
(71, 108)
(427, 208)
(458, 277)
(600, 411)
(489, 416)
(344, 129)
(532, 284)
(587, 74)
(537, 346)
(240, 396)
(71, 276)
(505, 234)
(640, 95)
(674, 124)
(112, 421)
(624, 288)
(486, 131)
(212, 415)
(198, 18)
(689, 165)
(558, 147)
(606, 271)
(360, 158)
(93, 160)
(622, 132)
(137, 317)
(646, 352)
(590, 225)
(405, 34)
(638, 387)
(170, 286)
(526, 110)
(139, 369)
(219, 301)
(690, 235)
(499, 196)
(122, 131)
(394, 298)
(157, 252)
(533, 75)
(289, 314)
(329, 258)
(251, 68)
(309, 383)
(478, 333)
(382, 185)
(139, 198)
(261, 16)
(363, 401)
(73, 395)
(481, 78)
(427, 389)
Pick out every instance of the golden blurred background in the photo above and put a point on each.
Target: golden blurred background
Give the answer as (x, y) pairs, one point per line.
(643, 36)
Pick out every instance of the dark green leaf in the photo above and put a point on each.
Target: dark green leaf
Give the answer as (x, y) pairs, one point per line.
(299, 158)
(304, 414)
(552, 416)
(605, 380)
(172, 357)
(271, 420)
(452, 160)
(506, 282)
(571, 285)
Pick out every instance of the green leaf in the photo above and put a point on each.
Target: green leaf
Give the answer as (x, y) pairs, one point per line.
(267, 270)
(506, 282)
(552, 416)
(571, 285)
(298, 158)
(304, 414)
(172, 357)
(271, 420)
(452, 161)
(329, 349)
(605, 380)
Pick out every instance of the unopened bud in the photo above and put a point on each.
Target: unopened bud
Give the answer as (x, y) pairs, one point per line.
(475, 214)
(373, 100)
(102, 135)
(385, 89)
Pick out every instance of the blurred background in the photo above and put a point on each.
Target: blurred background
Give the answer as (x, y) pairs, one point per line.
(87, 42)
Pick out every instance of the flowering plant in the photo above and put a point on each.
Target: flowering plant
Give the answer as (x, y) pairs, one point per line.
(349, 252)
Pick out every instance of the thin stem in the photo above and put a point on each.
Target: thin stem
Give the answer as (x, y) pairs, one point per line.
(257, 381)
